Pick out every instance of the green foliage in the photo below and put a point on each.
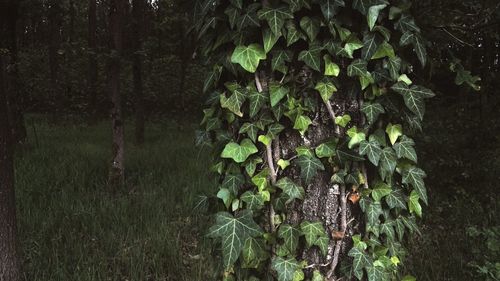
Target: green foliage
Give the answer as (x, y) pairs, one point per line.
(302, 52)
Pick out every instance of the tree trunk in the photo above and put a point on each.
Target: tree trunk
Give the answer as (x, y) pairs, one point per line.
(138, 29)
(92, 74)
(9, 266)
(55, 22)
(116, 174)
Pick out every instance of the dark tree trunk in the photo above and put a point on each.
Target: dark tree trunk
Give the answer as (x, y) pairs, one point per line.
(72, 15)
(12, 84)
(92, 45)
(9, 267)
(116, 12)
(55, 22)
(138, 29)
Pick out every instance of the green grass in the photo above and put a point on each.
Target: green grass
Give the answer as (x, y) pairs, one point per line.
(71, 227)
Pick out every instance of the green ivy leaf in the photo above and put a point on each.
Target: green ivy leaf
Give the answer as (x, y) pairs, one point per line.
(317, 276)
(327, 149)
(290, 236)
(275, 17)
(249, 18)
(283, 164)
(278, 63)
(357, 68)
(225, 195)
(372, 150)
(277, 92)
(373, 212)
(343, 120)
(233, 182)
(420, 50)
(270, 38)
(394, 132)
(254, 202)
(356, 136)
(302, 123)
(212, 78)
(404, 149)
(371, 42)
(248, 56)
(352, 44)
(233, 231)
(315, 235)
(415, 177)
(285, 268)
(394, 66)
(388, 162)
(309, 166)
(310, 27)
(257, 100)
(331, 68)
(414, 205)
(360, 261)
(312, 56)
(250, 129)
(396, 199)
(290, 188)
(376, 273)
(380, 190)
(293, 34)
(413, 97)
(407, 24)
(254, 253)
(384, 50)
(329, 8)
(326, 88)
(373, 13)
(239, 152)
(372, 111)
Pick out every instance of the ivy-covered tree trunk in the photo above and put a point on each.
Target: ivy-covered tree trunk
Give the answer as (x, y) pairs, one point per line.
(311, 106)
(117, 169)
(9, 267)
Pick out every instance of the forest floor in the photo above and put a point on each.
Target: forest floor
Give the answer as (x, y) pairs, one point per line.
(73, 228)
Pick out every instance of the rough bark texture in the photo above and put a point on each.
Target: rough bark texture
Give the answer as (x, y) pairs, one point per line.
(323, 201)
(92, 45)
(138, 29)
(9, 267)
(116, 174)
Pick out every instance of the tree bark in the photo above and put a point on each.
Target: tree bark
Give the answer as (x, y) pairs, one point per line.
(92, 52)
(117, 169)
(138, 29)
(9, 266)
(55, 22)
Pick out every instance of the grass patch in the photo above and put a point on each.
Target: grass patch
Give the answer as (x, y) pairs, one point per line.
(71, 227)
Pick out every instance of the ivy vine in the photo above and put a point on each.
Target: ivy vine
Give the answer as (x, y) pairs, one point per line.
(277, 65)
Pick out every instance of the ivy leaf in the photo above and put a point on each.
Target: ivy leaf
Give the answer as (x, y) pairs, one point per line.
(395, 199)
(372, 150)
(290, 236)
(237, 3)
(352, 44)
(356, 136)
(371, 42)
(257, 100)
(248, 56)
(296, 5)
(373, 13)
(326, 149)
(279, 59)
(404, 149)
(394, 66)
(315, 235)
(312, 56)
(414, 205)
(275, 17)
(273, 130)
(293, 34)
(329, 8)
(310, 26)
(249, 18)
(413, 97)
(212, 78)
(270, 39)
(407, 24)
(233, 231)
(290, 188)
(254, 202)
(360, 261)
(233, 182)
(331, 68)
(394, 132)
(302, 123)
(376, 273)
(232, 14)
(343, 120)
(420, 50)
(277, 92)
(373, 212)
(348, 155)
(239, 152)
(250, 129)
(285, 268)
(309, 166)
(372, 111)
(384, 50)
(388, 162)
(357, 68)
(326, 88)
(253, 253)
(415, 176)
(380, 190)
(225, 195)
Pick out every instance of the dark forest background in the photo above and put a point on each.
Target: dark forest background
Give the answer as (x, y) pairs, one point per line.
(61, 65)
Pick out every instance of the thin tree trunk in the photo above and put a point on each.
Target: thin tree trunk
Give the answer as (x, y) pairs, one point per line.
(138, 28)
(93, 72)
(116, 175)
(9, 266)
